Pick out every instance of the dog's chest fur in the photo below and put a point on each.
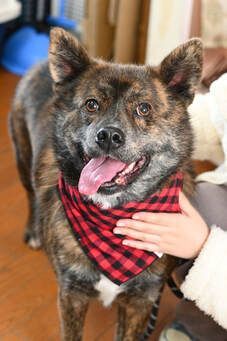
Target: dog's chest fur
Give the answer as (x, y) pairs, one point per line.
(108, 290)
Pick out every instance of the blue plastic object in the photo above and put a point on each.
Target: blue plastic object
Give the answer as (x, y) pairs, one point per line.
(23, 49)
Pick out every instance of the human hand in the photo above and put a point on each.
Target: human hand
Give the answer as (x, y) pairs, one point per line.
(178, 234)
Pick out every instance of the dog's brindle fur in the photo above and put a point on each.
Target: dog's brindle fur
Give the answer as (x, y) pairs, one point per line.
(50, 129)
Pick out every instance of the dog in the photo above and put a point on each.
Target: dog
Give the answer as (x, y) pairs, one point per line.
(74, 110)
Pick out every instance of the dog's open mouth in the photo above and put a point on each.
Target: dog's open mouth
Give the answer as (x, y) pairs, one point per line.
(105, 173)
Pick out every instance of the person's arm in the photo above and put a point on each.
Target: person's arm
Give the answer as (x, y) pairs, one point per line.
(206, 281)
(186, 235)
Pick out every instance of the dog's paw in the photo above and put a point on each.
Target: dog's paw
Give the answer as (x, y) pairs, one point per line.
(32, 240)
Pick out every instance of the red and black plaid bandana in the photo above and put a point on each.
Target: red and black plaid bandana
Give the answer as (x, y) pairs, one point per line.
(93, 228)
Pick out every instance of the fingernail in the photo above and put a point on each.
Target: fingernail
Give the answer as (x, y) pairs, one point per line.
(125, 242)
(120, 223)
(136, 216)
(118, 231)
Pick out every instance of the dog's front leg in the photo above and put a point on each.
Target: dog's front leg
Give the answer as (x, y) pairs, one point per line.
(73, 308)
(133, 316)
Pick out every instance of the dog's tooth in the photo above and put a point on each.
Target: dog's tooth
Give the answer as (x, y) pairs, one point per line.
(130, 167)
(121, 178)
(119, 181)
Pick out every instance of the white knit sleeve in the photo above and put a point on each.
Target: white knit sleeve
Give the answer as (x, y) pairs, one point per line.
(206, 282)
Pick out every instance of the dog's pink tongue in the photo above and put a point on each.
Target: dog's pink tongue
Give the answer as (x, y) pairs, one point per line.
(96, 172)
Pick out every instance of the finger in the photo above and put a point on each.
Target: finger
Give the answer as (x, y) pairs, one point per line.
(141, 245)
(142, 226)
(145, 237)
(160, 219)
(169, 250)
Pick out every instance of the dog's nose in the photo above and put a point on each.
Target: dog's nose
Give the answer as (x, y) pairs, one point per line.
(110, 138)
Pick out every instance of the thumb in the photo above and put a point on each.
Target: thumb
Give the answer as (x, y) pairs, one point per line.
(185, 205)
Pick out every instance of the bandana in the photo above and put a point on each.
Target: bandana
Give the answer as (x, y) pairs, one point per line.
(93, 228)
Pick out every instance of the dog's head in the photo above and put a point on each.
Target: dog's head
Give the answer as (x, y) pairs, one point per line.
(121, 130)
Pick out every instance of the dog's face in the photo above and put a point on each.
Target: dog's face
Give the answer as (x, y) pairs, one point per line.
(121, 130)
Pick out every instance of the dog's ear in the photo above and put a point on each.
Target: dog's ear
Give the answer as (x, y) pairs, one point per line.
(67, 57)
(181, 69)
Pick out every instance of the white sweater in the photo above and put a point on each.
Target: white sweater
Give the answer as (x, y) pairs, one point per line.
(206, 282)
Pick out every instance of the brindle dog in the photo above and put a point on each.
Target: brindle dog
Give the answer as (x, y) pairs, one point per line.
(56, 118)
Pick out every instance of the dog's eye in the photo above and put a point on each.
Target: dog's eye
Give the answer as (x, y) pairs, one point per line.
(143, 109)
(92, 105)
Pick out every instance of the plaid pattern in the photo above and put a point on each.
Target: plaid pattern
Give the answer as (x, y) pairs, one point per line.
(93, 228)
